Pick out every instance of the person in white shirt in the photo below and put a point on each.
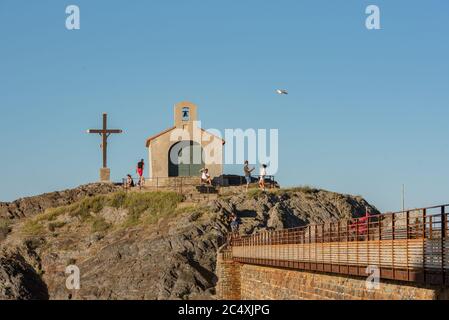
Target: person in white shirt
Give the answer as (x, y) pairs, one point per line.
(263, 173)
(205, 176)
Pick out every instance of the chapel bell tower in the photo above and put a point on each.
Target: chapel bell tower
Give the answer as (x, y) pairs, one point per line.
(185, 114)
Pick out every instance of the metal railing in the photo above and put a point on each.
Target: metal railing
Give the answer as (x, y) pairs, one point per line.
(409, 245)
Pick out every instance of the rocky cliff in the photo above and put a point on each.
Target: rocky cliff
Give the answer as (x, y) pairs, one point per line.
(29, 206)
(145, 245)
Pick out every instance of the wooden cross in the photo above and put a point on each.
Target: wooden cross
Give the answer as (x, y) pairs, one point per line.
(105, 133)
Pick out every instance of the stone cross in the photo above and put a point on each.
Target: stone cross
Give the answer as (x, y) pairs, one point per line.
(105, 133)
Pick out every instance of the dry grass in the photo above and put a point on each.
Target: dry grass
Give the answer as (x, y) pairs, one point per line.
(142, 207)
(304, 189)
(53, 226)
(254, 193)
(307, 190)
(33, 227)
(149, 207)
(5, 225)
(99, 224)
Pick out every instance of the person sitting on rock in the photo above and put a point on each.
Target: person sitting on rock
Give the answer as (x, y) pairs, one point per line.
(205, 176)
(129, 182)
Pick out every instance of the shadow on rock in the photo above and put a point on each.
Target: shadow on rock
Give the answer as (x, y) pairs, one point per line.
(19, 281)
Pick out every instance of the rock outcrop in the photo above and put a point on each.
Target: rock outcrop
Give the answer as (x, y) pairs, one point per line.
(292, 208)
(29, 206)
(19, 280)
(125, 255)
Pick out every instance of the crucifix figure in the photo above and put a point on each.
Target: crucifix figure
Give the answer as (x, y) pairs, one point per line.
(105, 133)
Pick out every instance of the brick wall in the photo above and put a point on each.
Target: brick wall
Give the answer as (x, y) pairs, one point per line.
(248, 282)
(229, 278)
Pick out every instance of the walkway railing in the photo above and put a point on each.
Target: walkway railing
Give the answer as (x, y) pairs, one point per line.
(409, 246)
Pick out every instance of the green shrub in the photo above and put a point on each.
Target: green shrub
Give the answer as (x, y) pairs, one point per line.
(153, 205)
(51, 214)
(147, 207)
(33, 227)
(117, 199)
(84, 207)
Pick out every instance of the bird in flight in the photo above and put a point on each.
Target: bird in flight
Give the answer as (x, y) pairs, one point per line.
(279, 91)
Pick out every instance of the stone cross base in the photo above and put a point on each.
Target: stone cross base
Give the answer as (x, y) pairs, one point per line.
(105, 175)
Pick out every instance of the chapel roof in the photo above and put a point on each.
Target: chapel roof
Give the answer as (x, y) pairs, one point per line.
(172, 128)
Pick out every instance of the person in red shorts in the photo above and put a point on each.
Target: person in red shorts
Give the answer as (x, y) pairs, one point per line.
(140, 167)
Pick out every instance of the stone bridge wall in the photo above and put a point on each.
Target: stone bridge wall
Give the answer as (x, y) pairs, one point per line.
(238, 281)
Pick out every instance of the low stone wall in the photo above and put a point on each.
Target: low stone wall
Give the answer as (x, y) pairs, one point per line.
(229, 278)
(249, 282)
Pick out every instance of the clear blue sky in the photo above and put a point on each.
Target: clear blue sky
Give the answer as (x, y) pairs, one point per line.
(367, 110)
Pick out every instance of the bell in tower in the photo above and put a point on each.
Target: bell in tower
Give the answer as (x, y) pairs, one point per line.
(185, 114)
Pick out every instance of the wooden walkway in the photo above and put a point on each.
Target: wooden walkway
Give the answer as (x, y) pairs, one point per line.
(406, 246)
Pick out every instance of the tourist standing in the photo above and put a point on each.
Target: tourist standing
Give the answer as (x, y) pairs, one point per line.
(247, 172)
(140, 168)
(263, 173)
(234, 223)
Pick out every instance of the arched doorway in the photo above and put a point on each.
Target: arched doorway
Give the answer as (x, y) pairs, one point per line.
(185, 159)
